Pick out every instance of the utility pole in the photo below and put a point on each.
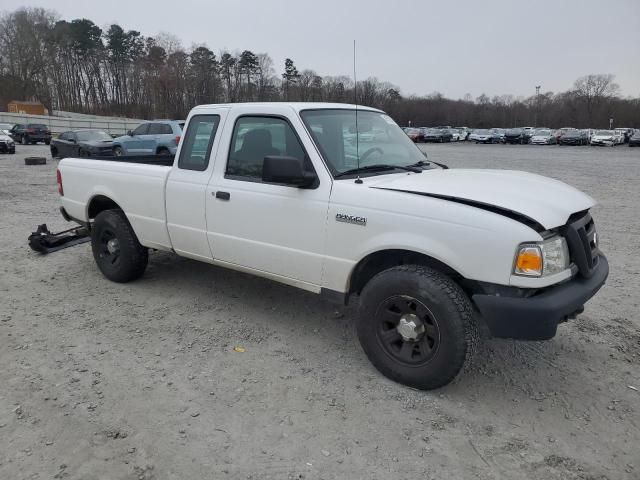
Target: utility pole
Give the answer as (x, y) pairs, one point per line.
(535, 122)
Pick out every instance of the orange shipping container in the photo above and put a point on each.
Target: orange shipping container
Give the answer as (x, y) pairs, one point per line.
(27, 107)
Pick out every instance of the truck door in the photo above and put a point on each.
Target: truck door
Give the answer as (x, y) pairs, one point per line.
(275, 229)
(187, 184)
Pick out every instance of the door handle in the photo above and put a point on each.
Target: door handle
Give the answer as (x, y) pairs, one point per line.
(223, 195)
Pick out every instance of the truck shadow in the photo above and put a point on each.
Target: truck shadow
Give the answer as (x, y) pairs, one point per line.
(501, 370)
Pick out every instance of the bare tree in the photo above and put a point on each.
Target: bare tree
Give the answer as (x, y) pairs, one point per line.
(593, 90)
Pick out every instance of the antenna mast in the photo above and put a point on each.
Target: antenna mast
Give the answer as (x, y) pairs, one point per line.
(355, 102)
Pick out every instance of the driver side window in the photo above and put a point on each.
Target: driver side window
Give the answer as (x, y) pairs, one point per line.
(257, 137)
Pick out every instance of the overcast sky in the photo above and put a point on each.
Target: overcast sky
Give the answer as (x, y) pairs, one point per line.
(465, 46)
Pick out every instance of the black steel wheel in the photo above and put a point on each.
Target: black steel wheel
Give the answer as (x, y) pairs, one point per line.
(115, 247)
(407, 330)
(416, 326)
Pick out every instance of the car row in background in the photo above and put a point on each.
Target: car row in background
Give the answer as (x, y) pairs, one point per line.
(437, 134)
(157, 137)
(528, 135)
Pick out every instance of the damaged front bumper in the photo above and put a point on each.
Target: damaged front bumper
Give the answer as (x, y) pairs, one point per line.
(537, 317)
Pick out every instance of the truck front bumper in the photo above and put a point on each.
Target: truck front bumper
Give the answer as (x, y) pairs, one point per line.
(537, 317)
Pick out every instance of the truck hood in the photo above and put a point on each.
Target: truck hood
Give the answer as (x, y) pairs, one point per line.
(546, 201)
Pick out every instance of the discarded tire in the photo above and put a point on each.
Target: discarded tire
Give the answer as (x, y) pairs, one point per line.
(35, 161)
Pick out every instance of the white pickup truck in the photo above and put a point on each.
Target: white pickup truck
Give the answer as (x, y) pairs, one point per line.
(338, 201)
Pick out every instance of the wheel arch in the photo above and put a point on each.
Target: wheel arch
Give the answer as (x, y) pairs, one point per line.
(100, 203)
(381, 260)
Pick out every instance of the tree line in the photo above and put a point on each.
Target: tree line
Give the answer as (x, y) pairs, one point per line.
(78, 66)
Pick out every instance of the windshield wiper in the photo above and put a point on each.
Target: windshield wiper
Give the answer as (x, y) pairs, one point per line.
(422, 163)
(378, 167)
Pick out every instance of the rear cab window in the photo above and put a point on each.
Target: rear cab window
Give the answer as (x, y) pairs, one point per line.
(197, 142)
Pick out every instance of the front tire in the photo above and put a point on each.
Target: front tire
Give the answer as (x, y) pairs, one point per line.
(416, 326)
(117, 151)
(116, 249)
(24, 140)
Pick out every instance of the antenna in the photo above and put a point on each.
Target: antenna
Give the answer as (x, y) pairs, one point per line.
(355, 102)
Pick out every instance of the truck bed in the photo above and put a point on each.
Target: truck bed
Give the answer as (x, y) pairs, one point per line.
(164, 160)
(135, 184)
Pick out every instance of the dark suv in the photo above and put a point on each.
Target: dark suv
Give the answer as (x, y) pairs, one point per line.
(514, 135)
(31, 133)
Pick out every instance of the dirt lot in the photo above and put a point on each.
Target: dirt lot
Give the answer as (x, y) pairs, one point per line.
(140, 381)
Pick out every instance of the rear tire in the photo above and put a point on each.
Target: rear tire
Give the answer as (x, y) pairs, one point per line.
(165, 152)
(116, 249)
(413, 300)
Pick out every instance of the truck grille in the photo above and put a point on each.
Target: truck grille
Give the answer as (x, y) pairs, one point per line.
(582, 239)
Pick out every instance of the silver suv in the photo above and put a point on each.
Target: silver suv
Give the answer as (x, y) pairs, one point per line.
(157, 137)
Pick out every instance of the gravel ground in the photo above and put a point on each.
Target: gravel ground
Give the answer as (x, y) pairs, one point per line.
(141, 381)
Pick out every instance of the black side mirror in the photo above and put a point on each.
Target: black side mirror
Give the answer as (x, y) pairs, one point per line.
(130, 133)
(286, 170)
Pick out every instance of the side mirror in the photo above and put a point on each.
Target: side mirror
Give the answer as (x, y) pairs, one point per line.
(286, 170)
(130, 133)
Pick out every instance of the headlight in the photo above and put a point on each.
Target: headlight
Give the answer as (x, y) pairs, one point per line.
(542, 258)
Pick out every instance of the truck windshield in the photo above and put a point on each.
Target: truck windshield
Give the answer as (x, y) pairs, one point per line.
(379, 139)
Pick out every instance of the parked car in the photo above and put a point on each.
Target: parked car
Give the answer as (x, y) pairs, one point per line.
(31, 133)
(561, 131)
(7, 144)
(414, 134)
(527, 133)
(464, 132)
(158, 137)
(574, 137)
(428, 252)
(456, 135)
(484, 136)
(514, 135)
(543, 137)
(6, 128)
(589, 133)
(625, 133)
(606, 138)
(634, 139)
(502, 132)
(82, 143)
(439, 135)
